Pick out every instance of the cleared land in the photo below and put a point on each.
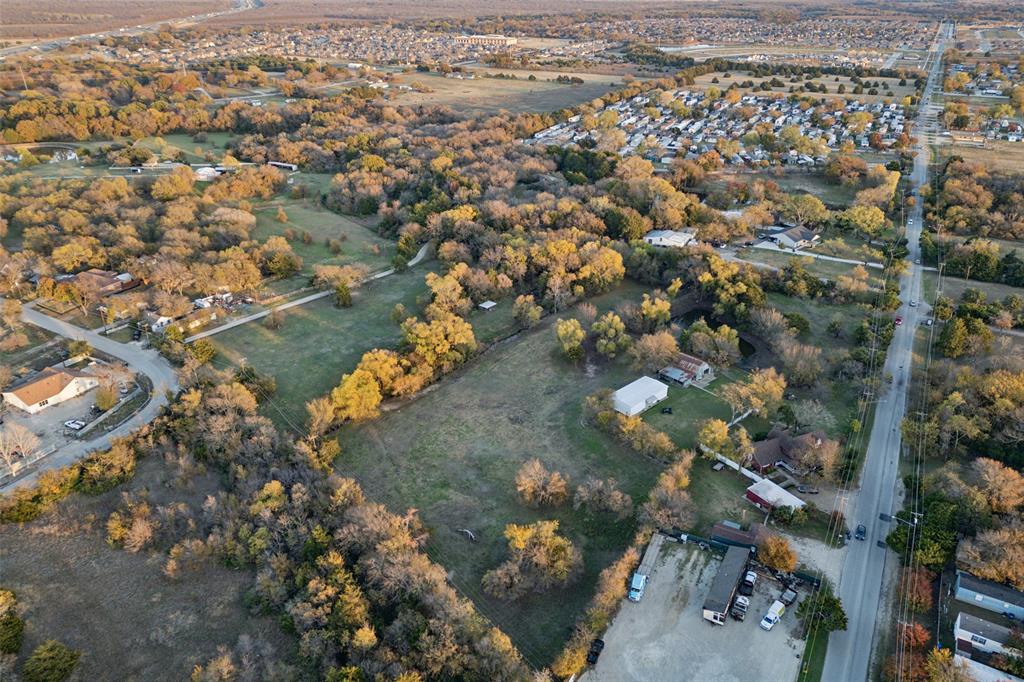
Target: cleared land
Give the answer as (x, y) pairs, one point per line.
(359, 244)
(490, 95)
(32, 19)
(129, 621)
(833, 195)
(995, 155)
(319, 342)
(453, 452)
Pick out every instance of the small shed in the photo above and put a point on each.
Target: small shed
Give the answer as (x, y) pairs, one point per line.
(768, 495)
(487, 305)
(635, 397)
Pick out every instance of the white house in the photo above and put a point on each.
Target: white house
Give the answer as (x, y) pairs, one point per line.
(977, 635)
(634, 398)
(664, 239)
(49, 387)
(768, 495)
(979, 672)
(796, 238)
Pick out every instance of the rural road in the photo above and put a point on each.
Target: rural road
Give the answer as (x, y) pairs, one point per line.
(849, 654)
(420, 255)
(149, 362)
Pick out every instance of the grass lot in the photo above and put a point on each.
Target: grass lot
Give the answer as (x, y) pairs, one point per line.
(36, 337)
(360, 243)
(319, 342)
(834, 196)
(490, 95)
(832, 83)
(194, 151)
(453, 452)
(815, 266)
(954, 287)
(995, 155)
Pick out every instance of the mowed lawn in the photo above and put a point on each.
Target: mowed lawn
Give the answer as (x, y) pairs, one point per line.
(359, 244)
(453, 452)
(319, 342)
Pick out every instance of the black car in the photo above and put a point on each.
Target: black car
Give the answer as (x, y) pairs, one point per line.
(861, 532)
(595, 650)
(666, 410)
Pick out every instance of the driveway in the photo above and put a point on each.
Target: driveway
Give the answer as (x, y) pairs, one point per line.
(146, 361)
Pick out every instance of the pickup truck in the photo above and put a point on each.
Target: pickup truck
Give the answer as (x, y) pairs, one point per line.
(739, 607)
(637, 586)
(788, 597)
(747, 586)
(773, 616)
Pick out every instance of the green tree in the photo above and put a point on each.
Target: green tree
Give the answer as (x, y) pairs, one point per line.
(50, 662)
(823, 609)
(342, 295)
(610, 335)
(570, 338)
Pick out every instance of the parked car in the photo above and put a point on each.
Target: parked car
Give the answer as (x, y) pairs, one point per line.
(861, 533)
(739, 607)
(773, 616)
(788, 597)
(747, 586)
(928, 322)
(637, 586)
(596, 647)
(913, 304)
(74, 424)
(666, 410)
(899, 321)
(807, 489)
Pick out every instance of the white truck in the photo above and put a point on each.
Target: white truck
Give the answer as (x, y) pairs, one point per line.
(638, 583)
(773, 616)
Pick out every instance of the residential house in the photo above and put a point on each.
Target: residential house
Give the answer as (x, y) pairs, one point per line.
(976, 636)
(977, 671)
(687, 369)
(51, 386)
(989, 595)
(665, 239)
(104, 282)
(780, 449)
(796, 238)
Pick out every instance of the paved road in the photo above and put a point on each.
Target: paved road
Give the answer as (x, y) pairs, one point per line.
(149, 362)
(420, 255)
(850, 652)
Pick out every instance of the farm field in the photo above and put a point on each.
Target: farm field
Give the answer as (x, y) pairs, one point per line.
(452, 454)
(319, 342)
(490, 95)
(359, 243)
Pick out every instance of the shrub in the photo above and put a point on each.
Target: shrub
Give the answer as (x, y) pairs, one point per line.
(50, 662)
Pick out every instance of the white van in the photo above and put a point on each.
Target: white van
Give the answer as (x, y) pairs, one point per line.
(773, 616)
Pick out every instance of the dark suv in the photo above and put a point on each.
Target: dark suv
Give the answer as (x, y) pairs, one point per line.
(861, 532)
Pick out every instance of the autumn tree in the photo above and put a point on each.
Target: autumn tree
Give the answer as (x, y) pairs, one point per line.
(540, 559)
(538, 487)
(570, 338)
(610, 337)
(669, 504)
(651, 352)
(775, 552)
(602, 495)
(1002, 486)
(526, 312)
(916, 583)
(720, 347)
(357, 397)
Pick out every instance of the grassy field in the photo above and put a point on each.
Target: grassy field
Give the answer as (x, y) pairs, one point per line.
(815, 266)
(834, 196)
(489, 95)
(954, 287)
(453, 453)
(360, 244)
(128, 620)
(832, 83)
(319, 342)
(995, 155)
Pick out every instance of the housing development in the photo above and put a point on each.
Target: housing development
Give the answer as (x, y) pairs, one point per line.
(589, 342)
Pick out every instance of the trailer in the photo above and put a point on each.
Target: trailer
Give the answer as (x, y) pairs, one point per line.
(638, 583)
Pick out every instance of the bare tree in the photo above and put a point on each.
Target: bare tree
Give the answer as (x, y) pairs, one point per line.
(16, 445)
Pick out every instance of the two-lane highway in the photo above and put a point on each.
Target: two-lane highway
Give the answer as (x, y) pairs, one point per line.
(860, 588)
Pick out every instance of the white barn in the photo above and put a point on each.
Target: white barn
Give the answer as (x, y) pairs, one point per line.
(635, 397)
(49, 387)
(664, 239)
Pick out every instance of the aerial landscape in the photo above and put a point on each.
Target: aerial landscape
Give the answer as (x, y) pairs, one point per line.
(552, 341)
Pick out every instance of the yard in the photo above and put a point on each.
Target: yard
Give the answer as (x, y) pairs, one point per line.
(319, 342)
(452, 454)
(814, 182)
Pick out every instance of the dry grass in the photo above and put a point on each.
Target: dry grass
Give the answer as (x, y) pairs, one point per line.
(49, 18)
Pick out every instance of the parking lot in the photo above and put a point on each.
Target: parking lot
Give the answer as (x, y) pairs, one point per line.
(49, 423)
(664, 637)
